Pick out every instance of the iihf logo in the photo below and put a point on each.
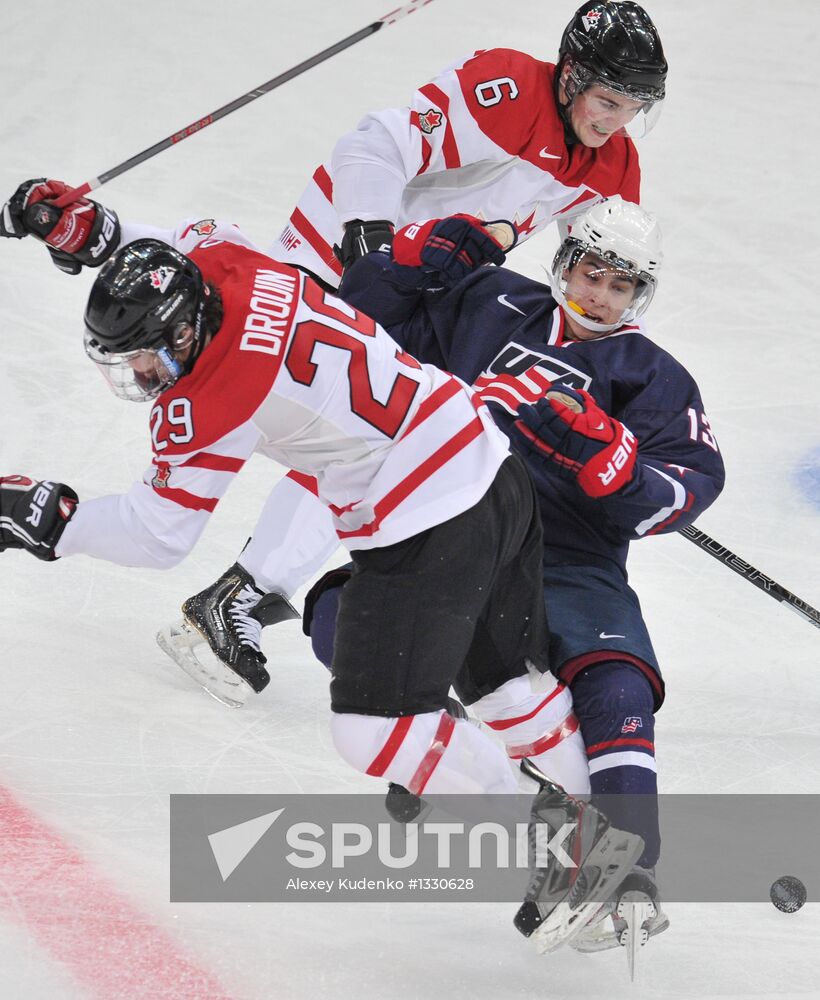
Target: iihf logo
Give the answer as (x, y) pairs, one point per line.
(161, 278)
(631, 724)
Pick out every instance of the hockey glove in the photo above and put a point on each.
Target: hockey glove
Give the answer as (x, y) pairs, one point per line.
(569, 428)
(33, 515)
(362, 237)
(83, 233)
(451, 247)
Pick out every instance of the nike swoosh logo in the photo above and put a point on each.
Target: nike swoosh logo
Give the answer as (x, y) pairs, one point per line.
(548, 156)
(503, 300)
(607, 635)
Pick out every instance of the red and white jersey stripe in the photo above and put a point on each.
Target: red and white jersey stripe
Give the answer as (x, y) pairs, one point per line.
(484, 138)
(298, 375)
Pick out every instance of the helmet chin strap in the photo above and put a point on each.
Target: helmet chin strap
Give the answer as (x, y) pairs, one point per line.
(570, 136)
(198, 343)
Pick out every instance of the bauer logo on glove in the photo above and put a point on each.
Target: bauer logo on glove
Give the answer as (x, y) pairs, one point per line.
(569, 428)
(33, 514)
(453, 247)
(79, 234)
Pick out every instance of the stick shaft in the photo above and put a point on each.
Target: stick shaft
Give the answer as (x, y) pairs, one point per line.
(748, 572)
(239, 102)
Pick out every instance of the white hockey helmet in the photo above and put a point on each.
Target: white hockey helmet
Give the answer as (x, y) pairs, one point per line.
(625, 238)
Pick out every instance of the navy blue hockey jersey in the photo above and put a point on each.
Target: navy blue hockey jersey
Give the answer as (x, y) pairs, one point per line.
(504, 334)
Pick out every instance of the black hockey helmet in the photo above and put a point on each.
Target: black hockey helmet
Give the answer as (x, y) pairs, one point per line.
(140, 296)
(148, 299)
(616, 44)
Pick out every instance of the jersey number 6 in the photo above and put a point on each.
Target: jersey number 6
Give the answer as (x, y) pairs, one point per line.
(490, 93)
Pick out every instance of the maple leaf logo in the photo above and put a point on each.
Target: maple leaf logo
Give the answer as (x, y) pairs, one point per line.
(525, 226)
(590, 19)
(205, 227)
(161, 277)
(163, 474)
(429, 120)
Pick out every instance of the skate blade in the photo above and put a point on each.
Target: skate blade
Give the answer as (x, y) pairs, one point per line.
(565, 922)
(561, 926)
(605, 940)
(181, 641)
(599, 933)
(636, 909)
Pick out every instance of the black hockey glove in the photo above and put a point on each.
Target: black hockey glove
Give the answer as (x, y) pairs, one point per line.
(83, 233)
(362, 237)
(33, 515)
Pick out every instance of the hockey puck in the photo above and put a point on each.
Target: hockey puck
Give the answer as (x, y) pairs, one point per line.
(788, 893)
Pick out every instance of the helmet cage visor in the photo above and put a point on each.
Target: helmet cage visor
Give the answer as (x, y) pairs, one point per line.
(571, 253)
(580, 78)
(145, 373)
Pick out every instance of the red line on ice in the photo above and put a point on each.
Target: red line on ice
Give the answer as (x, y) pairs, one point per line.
(84, 921)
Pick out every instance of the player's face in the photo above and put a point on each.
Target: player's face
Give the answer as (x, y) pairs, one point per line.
(597, 113)
(154, 367)
(150, 370)
(599, 292)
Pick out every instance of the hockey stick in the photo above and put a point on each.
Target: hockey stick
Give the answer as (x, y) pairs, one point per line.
(748, 572)
(265, 88)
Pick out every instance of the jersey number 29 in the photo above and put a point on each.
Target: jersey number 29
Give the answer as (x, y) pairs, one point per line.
(385, 417)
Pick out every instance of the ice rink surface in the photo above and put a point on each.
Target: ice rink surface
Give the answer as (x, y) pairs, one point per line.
(96, 728)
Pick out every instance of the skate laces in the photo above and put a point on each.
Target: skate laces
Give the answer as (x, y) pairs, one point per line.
(248, 628)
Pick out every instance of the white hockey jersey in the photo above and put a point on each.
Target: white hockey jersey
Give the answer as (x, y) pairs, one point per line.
(296, 374)
(484, 138)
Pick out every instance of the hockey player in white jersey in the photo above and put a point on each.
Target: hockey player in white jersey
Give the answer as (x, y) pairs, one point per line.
(240, 354)
(499, 135)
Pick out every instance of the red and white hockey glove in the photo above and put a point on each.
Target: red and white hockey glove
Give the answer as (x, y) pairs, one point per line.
(453, 247)
(33, 515)
(83, 233)
(569, 428)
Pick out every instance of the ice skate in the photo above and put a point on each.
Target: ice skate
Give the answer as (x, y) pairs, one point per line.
(629, 920)
(561, 900)
(638, 914)
(217, 642)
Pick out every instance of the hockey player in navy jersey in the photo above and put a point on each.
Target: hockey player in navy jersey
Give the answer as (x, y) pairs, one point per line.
(620, 449)
(501, 135)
